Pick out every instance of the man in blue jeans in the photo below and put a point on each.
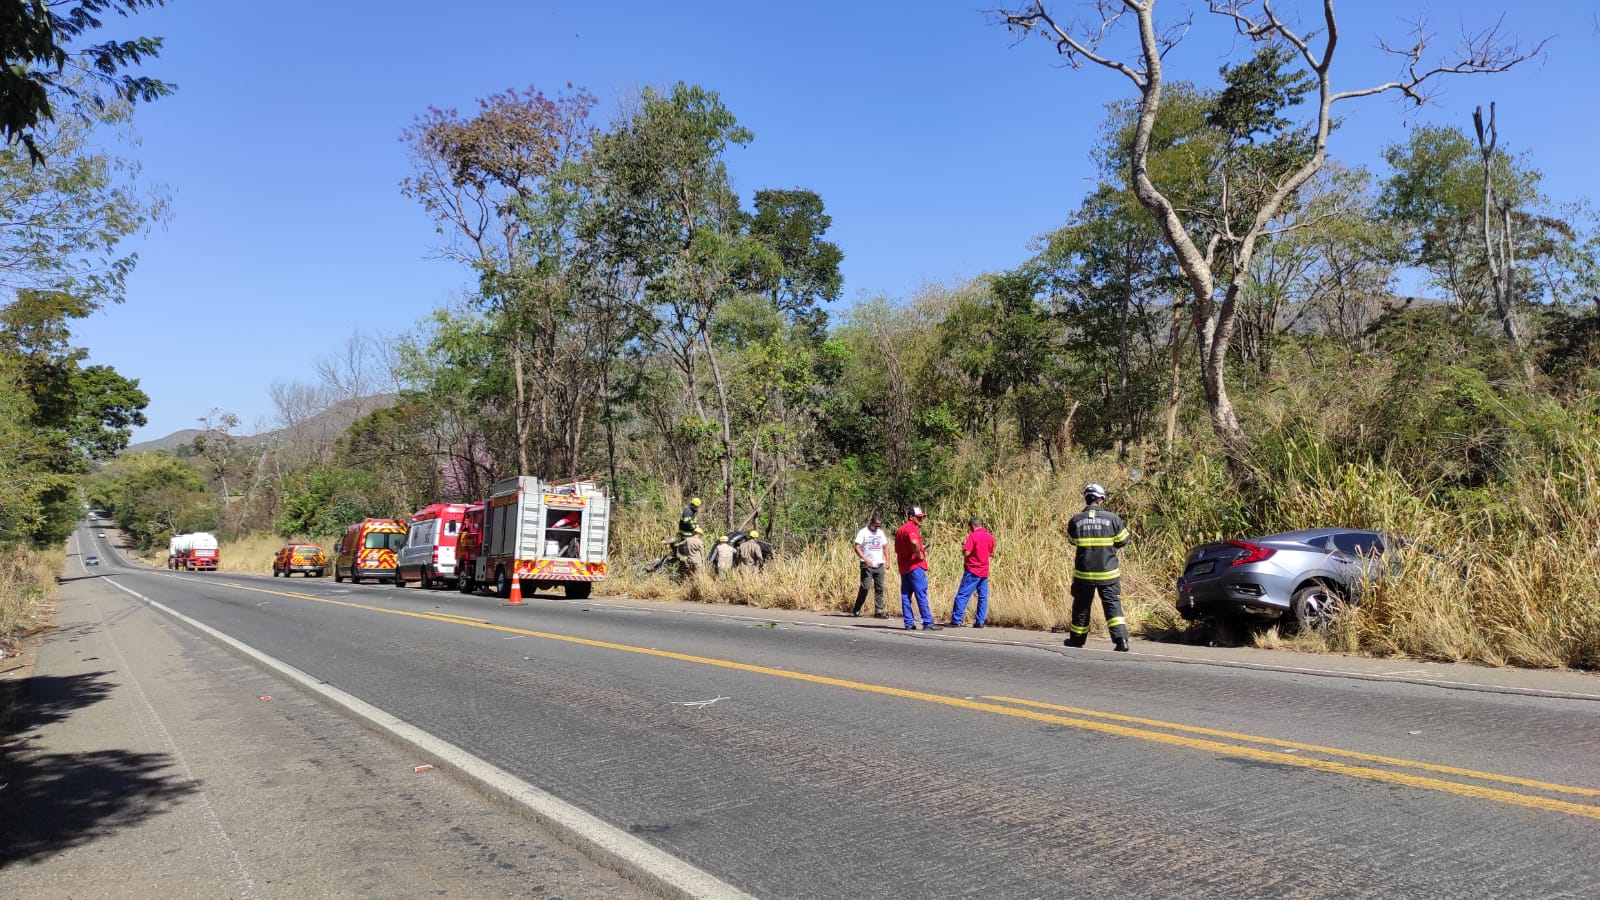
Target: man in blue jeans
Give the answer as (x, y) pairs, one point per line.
(976, 551)
(912, 558)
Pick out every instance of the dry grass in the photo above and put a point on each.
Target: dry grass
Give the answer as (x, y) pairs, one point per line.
(1518, 584)
(253, 553)
(27, 578)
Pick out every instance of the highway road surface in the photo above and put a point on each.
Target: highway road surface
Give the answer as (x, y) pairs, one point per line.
(793, 758)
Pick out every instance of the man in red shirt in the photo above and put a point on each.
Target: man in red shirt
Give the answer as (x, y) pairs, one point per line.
(912, 558)
(979, 545)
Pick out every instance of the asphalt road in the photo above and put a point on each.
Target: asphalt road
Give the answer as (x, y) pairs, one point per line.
(867, 762)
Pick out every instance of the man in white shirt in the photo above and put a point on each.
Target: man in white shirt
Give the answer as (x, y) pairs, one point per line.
(869, 545)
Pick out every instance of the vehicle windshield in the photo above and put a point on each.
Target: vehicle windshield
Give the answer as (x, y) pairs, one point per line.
(385, 540)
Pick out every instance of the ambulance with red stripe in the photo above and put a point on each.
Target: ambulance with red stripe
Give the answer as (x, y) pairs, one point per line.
(429, 556)
(369, 549)
(549, 534)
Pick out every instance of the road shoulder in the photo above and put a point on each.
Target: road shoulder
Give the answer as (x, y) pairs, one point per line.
(156, 763)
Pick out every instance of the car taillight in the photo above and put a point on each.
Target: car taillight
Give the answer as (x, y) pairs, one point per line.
(1253, 553)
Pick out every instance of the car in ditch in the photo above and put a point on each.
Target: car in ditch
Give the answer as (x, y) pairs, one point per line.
(1301, 579)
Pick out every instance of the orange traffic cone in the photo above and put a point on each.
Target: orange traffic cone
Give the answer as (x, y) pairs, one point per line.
(516, 590)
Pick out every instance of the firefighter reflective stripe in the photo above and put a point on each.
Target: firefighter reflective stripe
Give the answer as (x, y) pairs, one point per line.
(1078, 629)
(1114, 621)
(1096, 533)
(1112, 575)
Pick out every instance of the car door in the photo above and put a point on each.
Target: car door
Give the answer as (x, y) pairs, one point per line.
(1362, 556)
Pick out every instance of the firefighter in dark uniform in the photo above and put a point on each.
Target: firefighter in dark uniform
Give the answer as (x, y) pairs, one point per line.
(1096, 533)
(689, 521)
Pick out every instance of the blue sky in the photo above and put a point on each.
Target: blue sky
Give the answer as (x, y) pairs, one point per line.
(940, 146)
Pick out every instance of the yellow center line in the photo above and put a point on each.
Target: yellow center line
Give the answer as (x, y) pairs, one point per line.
(1158, 737)
(1315, 748)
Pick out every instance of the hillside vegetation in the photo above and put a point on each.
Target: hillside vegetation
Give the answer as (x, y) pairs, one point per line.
(1221, 331)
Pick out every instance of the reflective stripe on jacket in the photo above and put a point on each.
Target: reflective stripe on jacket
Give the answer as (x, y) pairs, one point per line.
(1097, 533)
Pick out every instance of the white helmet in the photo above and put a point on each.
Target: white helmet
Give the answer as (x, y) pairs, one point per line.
(1093, 492)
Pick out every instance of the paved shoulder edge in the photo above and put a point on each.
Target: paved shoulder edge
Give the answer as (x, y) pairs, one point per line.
(645, 865)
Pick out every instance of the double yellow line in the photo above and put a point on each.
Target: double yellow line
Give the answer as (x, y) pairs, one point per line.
(1190, 737)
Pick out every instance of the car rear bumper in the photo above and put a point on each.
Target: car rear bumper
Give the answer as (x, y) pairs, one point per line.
(1258, 598)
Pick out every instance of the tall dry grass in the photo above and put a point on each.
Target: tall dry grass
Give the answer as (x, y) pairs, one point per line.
(1516, 579)
(253, 553)
(27, 577)
(1025, 507)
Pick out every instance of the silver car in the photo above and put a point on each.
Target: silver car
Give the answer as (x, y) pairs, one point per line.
(1301, 577)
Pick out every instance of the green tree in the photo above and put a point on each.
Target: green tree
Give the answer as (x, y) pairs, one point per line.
(505, 182)
(668, 207)
(153, 496)
(45, 62)
(66, 414)
(63, 224)
(791, 224)
(1265, 157)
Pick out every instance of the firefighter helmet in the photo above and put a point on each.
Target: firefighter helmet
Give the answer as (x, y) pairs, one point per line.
(694, 501)
(1093, 492)
(754, 533)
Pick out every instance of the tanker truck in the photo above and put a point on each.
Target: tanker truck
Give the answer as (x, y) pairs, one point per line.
(195, 552)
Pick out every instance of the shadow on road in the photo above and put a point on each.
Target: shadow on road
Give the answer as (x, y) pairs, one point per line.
(61, 800)
(40, 700)
(58, 800)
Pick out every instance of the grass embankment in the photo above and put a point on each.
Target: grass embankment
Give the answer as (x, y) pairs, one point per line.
(1518, 584)
(27, 578)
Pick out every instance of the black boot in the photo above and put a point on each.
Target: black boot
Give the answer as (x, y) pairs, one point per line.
(1077, 640)
(1120, 644)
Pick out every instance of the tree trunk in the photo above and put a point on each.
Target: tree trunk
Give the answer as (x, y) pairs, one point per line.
(727, 425)
(519, 413)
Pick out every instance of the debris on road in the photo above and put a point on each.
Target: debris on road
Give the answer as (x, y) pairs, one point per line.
(266, 697)
(699, 704)
(422, 768)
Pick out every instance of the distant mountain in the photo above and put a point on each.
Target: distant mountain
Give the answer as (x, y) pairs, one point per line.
(328, 424)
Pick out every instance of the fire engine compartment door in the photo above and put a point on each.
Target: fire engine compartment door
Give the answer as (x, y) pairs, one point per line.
(597, 527)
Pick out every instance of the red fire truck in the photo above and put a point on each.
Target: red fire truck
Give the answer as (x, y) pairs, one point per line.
(548, 534)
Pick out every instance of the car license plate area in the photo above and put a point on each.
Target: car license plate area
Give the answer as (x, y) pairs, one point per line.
(1203, 567)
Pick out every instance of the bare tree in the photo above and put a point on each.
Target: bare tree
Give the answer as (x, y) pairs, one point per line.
(1499, 245)
(1216, 260)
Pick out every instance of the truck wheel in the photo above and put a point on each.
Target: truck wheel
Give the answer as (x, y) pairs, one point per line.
(465, 584)
(427, 578)
(502, 584)
(337, 578)
(398, 581)
(579, 590)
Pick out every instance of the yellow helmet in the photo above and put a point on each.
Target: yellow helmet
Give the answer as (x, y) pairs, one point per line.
(694, 501)
(698, 531)
(723, 539)
(754, 533)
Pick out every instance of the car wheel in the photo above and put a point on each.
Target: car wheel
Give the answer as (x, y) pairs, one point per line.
(337, 578)
(1316, 607)
(398, 581)
(427, 578)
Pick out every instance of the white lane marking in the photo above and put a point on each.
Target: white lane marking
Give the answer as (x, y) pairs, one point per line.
(654, 868)
(213, 821)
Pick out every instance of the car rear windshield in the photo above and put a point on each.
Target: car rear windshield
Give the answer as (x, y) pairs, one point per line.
(385, 540)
